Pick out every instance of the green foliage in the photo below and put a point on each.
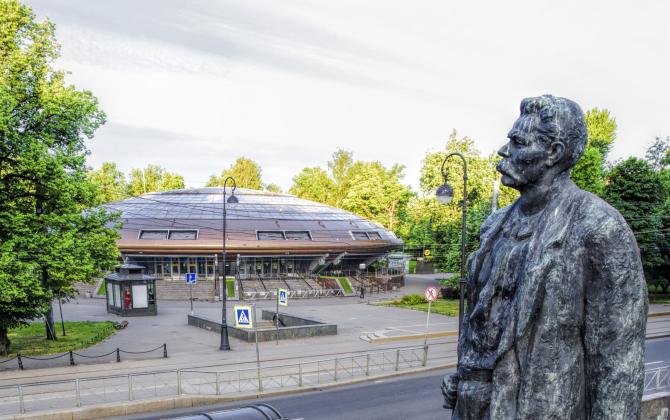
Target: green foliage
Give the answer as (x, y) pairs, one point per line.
(151, 179)
(658, 154)
(412, 299)
(639, 193)
(273, 188)
(29, 339)
(365, 188)
(313, 184)
(589, 172)
(428, 224)
(230, 286)
(110, 183)
(48, 240)
(246, 172)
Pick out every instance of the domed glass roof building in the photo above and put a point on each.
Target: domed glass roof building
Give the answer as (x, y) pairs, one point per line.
(272, 239)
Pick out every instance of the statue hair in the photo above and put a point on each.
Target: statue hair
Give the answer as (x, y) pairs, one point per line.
(558, 119)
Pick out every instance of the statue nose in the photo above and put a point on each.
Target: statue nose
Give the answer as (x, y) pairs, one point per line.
(504, 151)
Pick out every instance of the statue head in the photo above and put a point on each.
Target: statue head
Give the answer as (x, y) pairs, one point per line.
(546, 140)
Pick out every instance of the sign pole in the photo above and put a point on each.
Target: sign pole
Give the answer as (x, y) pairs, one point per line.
(258, 356)
(425, 340)
(190, 288)
(277, 317)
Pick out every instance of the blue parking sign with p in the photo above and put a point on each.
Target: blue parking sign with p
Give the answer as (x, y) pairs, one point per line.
(191, 278)
(243, 317)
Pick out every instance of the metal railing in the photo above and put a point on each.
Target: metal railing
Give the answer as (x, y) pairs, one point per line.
(299, 294)
(60, 395)
(657, 380)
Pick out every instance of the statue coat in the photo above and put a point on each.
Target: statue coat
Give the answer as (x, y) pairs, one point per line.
(574, 344)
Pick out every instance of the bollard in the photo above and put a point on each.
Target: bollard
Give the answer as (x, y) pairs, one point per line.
(18, 357)
(130, 387)
(22, 405)
(118, 355)
(71, 358)
(218, 387)
(425, 355)
(367, 364)
(77, 392)
(164, 350)
(179, 382)
(300, 374)
(335, 371)
(397, 360)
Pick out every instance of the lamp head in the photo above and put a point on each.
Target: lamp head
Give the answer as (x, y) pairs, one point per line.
(444, 193)
(232, 199)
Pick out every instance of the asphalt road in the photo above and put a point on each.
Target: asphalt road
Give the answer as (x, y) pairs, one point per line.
(414, 397)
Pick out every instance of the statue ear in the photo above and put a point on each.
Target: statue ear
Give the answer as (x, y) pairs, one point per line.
(556, 152)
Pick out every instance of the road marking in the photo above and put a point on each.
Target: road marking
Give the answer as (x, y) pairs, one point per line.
(653, 363)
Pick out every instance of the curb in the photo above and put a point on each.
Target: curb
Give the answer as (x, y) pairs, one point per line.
(657, 314)
(187, 401)
(383, 339)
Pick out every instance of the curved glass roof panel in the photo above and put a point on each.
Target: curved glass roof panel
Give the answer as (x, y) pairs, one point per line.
(207, 203)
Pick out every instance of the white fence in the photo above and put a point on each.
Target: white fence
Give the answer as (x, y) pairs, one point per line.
(293, 294)
(59, 395)
(657, 380)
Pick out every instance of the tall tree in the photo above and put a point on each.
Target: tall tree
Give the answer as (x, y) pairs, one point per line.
(48, 239)
(589, 173)
(639, 193)
(658, 154)
(246, 172)
(313, 184)
(110, 183)
(273, 188)
(339, 172)
(151, 179)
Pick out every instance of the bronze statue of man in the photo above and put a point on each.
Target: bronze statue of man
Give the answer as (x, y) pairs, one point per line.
(556, 297)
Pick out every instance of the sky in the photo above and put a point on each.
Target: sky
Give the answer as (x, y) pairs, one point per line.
(193, 85)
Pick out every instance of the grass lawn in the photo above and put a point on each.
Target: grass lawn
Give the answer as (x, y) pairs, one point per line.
(230, 286)
(440, 306)
(29, 339)
(343, 282)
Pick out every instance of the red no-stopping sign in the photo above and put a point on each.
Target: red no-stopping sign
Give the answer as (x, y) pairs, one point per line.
(431, 293)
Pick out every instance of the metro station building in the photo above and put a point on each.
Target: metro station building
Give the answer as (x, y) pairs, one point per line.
(272, 240)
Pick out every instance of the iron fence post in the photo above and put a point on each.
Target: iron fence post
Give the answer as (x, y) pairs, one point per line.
(299, 374)
(367, 364)
(71, 358)
(397, 360)
(18, 357)
(335, 372)
(178, 381)
(218, 387)
(77, 392)
(118, 355)
(165, 350)
(130, 387)
(425, 355)
(22, 405)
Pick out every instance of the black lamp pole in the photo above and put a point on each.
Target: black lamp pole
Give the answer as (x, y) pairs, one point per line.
(225, 345)
(445, 194)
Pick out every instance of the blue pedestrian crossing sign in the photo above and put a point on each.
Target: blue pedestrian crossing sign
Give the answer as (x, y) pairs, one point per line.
(243, 317)
(191, 278)
(282, 295)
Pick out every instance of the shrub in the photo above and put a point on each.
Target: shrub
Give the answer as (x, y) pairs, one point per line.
(413, 300)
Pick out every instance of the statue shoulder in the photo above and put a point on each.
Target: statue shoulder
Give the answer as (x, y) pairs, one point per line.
(598, 218)
(492, 219)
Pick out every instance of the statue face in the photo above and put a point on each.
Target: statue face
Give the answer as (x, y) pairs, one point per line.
(525, 156)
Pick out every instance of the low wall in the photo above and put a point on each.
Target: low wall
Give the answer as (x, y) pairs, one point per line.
(295, 327)
(656, 406)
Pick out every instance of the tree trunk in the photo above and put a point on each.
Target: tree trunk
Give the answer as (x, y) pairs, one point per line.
(4, 341)
(49, 322)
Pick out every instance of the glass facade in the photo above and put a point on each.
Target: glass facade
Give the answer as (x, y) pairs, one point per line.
(176, 267)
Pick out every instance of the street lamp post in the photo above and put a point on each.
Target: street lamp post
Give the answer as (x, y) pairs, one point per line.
(225, 345)
(444, 195)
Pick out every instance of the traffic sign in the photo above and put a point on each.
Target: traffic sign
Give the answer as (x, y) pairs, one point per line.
(282, 295)
(191, 278)
(243, 317)
(426, 253)
(431, 293)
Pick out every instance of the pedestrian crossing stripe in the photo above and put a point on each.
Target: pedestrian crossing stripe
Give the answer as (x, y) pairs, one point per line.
(243, 317)
(283, 297)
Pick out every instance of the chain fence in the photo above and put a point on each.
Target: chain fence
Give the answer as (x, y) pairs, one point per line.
(59, 395)
(70, 357)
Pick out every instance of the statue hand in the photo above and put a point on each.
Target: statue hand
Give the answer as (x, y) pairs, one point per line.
(450, 390)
